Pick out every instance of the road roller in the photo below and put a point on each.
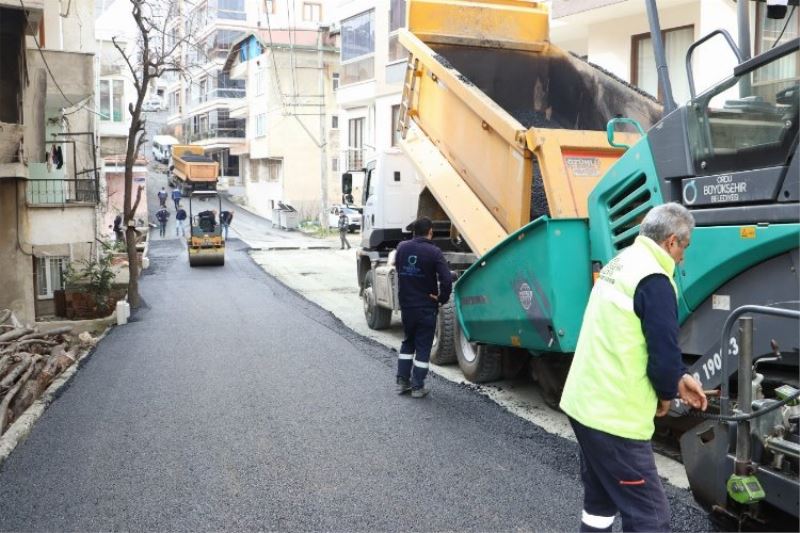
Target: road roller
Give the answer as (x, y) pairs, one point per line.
(206, 245)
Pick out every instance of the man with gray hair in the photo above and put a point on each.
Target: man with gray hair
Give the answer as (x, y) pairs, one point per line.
(626, 370)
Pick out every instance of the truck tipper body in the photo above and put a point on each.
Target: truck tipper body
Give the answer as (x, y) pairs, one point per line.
(192, 170)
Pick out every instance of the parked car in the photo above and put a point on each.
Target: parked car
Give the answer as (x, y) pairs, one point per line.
(353, 217)
(161, 147)
(153, 104)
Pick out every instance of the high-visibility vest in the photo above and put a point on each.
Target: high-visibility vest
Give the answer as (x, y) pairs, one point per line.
(607, 387)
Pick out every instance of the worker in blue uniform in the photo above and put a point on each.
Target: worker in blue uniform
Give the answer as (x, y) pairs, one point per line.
(424, 283)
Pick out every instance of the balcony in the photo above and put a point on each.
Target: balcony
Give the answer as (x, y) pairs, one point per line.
(73, 70)
(61, 192)
(217, 133)
(354, 158)
(214, 94)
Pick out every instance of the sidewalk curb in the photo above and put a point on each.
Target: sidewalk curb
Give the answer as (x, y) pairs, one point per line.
(21, 428)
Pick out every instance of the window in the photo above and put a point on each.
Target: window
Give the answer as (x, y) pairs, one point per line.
(335, 164)
(111, 93)
(231, 9)
(334, 122)
(335, 81)
(203, 90)
(269, 6)
(274, 168)
(358, 48)
(259, 82)
(312, 12)
(50, 275)
(395, 134)
(397, 20)
(643, 63)
(355, 144)
(261, 124)
(770, 33)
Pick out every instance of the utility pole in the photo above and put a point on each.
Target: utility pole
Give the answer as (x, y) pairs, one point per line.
(323, 141)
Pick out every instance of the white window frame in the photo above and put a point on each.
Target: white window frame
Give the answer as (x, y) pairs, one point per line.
(334, 122)
(335, 81)
(310, 9)
(44, 275)
(261, 125)
(110, 117)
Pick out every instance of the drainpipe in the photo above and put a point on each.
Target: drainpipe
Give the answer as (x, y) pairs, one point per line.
(661, 57)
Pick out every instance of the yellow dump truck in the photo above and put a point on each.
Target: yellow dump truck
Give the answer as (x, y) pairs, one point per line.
(192, 170)
(499, 128)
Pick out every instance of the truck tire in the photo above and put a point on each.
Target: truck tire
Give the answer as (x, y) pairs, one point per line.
(550, 372)
(377, 317)
(443, 351)
(479, 362)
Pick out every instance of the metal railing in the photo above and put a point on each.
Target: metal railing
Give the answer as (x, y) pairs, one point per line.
(217, 93)
(61, 191)
(212, 133)
(354, 158)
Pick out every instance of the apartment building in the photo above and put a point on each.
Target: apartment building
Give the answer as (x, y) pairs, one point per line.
(48, 176)
(615, 35)
(290, 71)
(199, 101)
(373, 65)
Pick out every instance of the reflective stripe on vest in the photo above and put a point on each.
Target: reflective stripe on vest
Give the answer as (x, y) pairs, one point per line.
(607, 387)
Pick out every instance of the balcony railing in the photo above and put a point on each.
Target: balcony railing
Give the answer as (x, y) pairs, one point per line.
(61, 191)
(217, 93)
(355, 159)
(213, 133)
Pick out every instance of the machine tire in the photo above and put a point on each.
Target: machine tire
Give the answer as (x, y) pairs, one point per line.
(443, 351)
(377, 317)
(550, 371)
(480, 363)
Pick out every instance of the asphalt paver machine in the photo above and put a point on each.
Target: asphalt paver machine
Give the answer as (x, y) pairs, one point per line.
(206, 245)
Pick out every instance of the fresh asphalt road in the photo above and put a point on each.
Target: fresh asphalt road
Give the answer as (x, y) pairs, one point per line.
(230, 402)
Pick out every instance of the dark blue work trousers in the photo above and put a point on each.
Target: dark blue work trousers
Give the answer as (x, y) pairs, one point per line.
(619, 475)
(419, 326)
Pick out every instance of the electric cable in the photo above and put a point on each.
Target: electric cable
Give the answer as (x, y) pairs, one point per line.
(780, 36)
(745, 416)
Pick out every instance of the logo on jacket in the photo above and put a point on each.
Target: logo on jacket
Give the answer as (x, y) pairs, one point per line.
(411, 268)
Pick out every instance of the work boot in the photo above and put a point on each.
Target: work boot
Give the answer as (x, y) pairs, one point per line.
(419, 393)
(403, 385)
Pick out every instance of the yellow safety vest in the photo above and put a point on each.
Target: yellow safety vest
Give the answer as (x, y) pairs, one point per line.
(607, 387)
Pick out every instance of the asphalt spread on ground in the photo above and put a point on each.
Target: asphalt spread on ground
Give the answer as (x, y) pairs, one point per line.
(231, 402)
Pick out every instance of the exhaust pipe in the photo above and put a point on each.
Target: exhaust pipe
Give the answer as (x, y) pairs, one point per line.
(661, 57)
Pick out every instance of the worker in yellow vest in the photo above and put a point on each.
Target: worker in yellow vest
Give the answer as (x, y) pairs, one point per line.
(626, 370)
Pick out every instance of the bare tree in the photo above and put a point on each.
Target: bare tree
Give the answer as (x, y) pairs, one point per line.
(157, 53)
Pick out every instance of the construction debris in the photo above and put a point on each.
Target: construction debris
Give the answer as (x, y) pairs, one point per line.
(30, 359)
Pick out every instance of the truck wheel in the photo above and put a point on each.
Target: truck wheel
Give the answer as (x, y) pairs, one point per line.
(479, 362)
(443, 351)
(377, 317)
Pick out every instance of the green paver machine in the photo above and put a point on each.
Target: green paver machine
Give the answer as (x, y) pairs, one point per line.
(730, 156)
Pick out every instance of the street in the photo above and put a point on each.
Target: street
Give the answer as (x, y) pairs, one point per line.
(230, 402)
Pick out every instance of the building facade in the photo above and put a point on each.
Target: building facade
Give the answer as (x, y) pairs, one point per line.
(373, 65)
(290, 71)
(48, 172)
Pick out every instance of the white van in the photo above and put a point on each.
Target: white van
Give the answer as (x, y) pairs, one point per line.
(161, 147)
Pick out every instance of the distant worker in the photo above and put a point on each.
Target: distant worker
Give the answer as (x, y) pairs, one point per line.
(627, 369)
(162, 216)
(424, 283)
(180, 218)
(176, 196)
(118, 233)
(162, 197)
(343, 227)
(225, 218)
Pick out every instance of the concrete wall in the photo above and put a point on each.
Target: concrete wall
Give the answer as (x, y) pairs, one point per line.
(60, 225)
(16, 266)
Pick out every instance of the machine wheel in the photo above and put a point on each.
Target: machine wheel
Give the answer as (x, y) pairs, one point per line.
(550, 371)
(377, 317)
(479, 362)
(443, 351)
